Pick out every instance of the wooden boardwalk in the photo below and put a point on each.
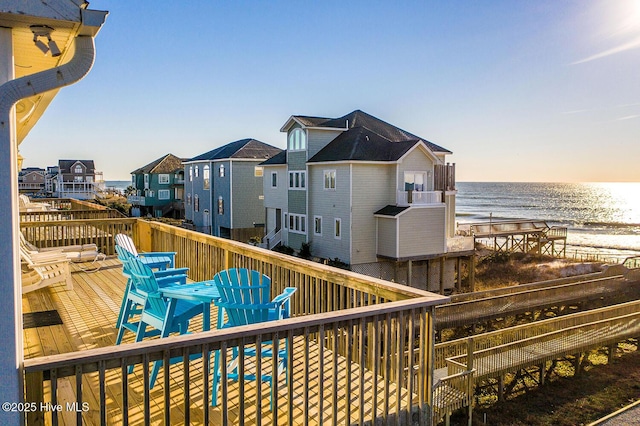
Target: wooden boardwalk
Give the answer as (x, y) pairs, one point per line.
(88, 316)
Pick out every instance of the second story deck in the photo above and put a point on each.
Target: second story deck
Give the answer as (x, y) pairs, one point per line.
(348, 337)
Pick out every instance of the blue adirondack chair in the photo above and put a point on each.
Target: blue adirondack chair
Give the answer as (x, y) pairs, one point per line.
(163, 314)
(155, 260)
(245, 298)
(133, 301)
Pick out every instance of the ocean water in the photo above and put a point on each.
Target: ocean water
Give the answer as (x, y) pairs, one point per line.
(601, 218)
(120, 185)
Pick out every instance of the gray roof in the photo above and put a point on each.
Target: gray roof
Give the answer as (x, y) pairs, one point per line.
(65, 165)
(368, 139)
(280, 158)
(391, 210)
(362, 144)
(245, 148)
(167, 164)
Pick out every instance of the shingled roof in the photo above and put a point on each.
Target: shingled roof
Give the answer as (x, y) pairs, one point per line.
(167, 164)
(367, 138)
(244, 148)
(65, 165)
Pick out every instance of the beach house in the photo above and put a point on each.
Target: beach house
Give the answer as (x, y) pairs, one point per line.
(77, 179)
(159, 188)
(44, 45)
(223, 190)
(31, 180)
(359, 191)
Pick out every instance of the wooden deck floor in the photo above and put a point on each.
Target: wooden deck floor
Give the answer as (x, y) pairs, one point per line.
(89, 314)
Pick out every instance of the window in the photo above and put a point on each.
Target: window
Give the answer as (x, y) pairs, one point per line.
(414, 181)
(286, 218)
(258, 171)
(317, 225)
(297, 223)
(190, 173)
(220, 205)
(197, 171)
(330, 179)
(77, 169)
(221, 170)
(297, 140)
(78, 179)
(337, 228)
(205, 177)
(274, 179)
(188, 199)
(163, 179)
(164, 194)
(297, 180)
(196, 203)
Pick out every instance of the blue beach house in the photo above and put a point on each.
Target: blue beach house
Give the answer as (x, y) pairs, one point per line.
(159, 188)
(223, 190)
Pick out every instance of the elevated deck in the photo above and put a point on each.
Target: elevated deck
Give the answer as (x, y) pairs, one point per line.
(526, 236)
(88, 316)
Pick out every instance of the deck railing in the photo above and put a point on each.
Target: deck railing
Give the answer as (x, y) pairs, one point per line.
(314, 388)
(377, 349)
(58, 233)
(459, 347)
(466, 312)
(534, 350)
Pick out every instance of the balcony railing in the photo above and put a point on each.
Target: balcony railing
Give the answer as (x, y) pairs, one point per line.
(408, 198)
(350, 335)
(137, 200)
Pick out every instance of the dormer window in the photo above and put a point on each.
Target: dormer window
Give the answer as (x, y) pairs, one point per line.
(297, 140)
(78, 169)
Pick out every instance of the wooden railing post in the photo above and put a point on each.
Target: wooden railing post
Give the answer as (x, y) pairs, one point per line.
(142, 236)
(470, 349)
(35, 395)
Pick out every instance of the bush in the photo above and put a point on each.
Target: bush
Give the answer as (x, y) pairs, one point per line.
(305, 251)
(284, 249)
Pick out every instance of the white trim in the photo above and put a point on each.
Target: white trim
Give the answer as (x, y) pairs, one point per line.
(350, 211)
(299, 222)
(314, 226)
(300, 180)
(230, 194)
(335, 178)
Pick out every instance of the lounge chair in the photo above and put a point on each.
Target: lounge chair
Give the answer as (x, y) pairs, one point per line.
(44, 269)
(26, 205)
(78, 253)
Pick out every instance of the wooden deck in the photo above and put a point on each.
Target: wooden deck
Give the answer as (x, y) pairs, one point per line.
(89, 314)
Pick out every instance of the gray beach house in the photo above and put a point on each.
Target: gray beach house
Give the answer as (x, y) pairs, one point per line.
(223, 190)
(364, 193)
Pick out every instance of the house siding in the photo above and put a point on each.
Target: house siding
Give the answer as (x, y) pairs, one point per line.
(221, 186)
(329, 204)
(415, 161)
(318, 139)
(386, 236)
(422, 231)
(374, 188)
(247, 205)
(275, 198)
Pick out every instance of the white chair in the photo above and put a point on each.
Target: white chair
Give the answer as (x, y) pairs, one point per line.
(44, 269)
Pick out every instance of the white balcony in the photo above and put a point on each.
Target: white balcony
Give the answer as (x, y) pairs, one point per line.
(408, 198)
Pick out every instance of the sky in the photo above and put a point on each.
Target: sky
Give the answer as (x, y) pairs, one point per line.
(530, 91)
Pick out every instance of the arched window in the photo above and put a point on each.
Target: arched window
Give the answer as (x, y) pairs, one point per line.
(78, 169)
(205, 177)
(297, 140)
